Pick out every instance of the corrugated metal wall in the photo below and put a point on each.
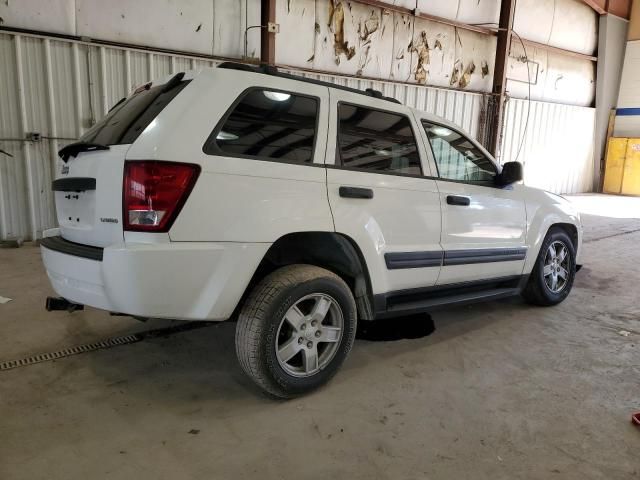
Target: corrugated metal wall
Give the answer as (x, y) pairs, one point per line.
(462, 108)
(558, 146)
(350, 38)
(58, 88)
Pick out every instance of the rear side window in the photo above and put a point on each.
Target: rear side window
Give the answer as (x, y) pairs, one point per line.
(269, 125)
(377, 141)
(126, 121)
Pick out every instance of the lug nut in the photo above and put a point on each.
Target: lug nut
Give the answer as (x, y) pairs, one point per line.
(309, 344)
(303, 326)
(314, 323)
(318, 333)
(300, 340)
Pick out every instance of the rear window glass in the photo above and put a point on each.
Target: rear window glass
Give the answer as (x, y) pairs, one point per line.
(266, 124)
(125, 122)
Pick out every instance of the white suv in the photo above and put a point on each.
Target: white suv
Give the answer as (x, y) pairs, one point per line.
(300, 206)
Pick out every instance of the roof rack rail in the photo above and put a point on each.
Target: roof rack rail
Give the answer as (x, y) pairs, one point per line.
(270, 70)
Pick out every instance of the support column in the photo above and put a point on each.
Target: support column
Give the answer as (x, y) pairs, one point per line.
(267, 38)
(507, 11)
(612, 41)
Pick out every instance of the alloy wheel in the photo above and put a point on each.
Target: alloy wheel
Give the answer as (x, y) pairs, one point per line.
(556, 267)
(309, 335)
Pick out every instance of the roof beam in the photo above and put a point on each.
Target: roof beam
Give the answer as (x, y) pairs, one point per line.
(620, 8)
(599, 6)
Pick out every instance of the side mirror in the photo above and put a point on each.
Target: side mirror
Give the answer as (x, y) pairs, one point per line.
(511, 173)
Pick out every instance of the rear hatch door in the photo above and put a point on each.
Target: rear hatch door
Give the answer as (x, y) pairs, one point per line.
(88, 190)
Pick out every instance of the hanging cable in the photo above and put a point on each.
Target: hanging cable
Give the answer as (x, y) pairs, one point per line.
(526, 58)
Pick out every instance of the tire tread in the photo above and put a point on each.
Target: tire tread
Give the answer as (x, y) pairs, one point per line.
(249, 338)
(535, 293)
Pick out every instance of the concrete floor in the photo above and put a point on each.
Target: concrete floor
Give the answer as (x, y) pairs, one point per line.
(500, 390)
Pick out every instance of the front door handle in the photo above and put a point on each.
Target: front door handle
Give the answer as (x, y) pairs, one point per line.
(458, 200)
(355, 192)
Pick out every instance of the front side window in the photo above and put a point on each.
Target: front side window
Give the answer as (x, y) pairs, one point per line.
(377, 141)
(457, 157)
(268, 124)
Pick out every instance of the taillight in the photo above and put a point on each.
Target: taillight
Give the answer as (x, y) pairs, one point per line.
(154, 192)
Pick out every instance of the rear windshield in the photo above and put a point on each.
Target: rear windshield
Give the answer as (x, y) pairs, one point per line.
(125, 122)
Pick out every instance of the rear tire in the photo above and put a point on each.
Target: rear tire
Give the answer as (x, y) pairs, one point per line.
(295, 330)
(554, 272)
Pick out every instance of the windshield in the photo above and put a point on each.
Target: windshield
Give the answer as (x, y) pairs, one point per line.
(126, 121)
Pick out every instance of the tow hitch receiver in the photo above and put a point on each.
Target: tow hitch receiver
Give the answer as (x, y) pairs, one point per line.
(59, 303)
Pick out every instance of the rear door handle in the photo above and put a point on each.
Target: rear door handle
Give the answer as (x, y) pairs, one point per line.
(458, 200)
(355, 192)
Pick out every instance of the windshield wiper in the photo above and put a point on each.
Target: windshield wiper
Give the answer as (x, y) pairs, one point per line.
(73, 149)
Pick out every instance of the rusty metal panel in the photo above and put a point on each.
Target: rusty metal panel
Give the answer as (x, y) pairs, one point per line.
(475, 57)
(433, 51)
(555, 144)
(338, 38)
(401, 63)
(349, 38)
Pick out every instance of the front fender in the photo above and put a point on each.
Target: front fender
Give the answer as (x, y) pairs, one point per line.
(545, 209)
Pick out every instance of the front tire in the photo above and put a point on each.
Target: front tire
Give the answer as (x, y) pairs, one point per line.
(295, 330)
(554, 272)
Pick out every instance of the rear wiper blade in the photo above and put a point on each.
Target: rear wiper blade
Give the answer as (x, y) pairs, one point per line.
(73, 149)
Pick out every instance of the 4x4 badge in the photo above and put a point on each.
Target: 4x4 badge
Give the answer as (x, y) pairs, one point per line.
(65, 169)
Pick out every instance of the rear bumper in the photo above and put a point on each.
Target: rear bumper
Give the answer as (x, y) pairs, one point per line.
(180, 280)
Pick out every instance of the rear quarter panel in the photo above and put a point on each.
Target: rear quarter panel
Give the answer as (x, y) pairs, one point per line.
(237, 199)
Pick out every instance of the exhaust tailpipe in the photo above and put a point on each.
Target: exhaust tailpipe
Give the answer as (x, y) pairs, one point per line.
(58, 303)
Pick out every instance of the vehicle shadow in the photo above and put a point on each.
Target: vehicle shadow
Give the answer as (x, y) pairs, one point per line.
(400, 328)
(189, 365)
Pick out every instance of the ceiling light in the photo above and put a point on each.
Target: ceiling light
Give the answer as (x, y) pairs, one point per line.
(441, 131)
(277, 96)
(222, 135)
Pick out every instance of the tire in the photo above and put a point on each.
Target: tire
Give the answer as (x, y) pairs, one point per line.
(540, 287)
(301, 293)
